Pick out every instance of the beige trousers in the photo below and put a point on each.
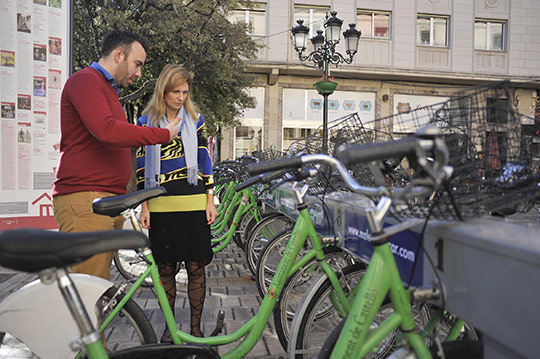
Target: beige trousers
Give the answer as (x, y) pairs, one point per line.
(73, 213)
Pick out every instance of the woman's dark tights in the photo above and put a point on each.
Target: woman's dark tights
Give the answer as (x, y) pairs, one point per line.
(196, 290)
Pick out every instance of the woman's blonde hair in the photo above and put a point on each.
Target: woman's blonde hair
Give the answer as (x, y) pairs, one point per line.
(171, 76)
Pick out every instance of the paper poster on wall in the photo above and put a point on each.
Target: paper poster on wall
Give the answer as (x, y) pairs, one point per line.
(34, 66)
(404, 104)
(256, 112)
(249, 136)
(304, 108)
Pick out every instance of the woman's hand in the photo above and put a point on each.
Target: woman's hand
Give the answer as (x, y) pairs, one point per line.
(144, 218)
(211, 211)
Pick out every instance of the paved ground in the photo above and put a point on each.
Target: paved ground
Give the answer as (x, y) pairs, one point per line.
(230, 288)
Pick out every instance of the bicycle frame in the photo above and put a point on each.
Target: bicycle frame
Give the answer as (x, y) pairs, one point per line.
(229, 206)
(247, 203)
(222, 209)
(381, 279)
(89, 338)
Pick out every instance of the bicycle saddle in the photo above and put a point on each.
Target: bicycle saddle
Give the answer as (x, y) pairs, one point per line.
(114, 206)
(32, 250)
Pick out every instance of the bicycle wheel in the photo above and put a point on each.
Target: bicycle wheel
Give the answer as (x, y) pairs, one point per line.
(444, 327)
(129, 328)
(317, 318)
(330, 343)
(271, 256)
(245, 225)
(131, 266)
(261, 234)
(298, 284)
(458, 349)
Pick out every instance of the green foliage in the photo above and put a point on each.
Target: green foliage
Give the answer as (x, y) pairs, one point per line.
(196, 34)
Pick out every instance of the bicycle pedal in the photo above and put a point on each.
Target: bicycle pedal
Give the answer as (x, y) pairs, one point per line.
(219, 323)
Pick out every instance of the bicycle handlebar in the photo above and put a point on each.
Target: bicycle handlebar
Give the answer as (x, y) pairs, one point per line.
(271, 166)
(251, 181)
(261, 178)
(362, 153)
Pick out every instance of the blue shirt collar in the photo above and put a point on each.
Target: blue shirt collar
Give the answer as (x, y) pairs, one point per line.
(105, 74)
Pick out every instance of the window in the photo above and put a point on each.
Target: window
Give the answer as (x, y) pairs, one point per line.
(254, 18)
(432, 30)
(247, 139)
(373, 23)
(460, 112)
(313, 17)
(249, 136)
(497, 110)
(291, 135)
(489, 35)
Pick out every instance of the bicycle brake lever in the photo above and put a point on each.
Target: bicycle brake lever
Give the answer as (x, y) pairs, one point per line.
(287, 178)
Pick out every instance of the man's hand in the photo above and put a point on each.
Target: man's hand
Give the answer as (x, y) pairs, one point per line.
(173, 131)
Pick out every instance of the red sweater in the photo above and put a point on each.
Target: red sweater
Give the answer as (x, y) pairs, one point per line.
(96, 138)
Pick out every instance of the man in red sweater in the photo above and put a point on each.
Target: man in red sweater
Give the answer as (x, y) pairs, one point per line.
(95, 155)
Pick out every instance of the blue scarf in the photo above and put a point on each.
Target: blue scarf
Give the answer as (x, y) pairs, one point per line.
(152, 159)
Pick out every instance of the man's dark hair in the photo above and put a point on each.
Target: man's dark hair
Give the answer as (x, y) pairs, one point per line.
(121, 38)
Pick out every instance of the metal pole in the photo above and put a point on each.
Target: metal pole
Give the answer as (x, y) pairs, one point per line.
(325, 111)
(325, 124)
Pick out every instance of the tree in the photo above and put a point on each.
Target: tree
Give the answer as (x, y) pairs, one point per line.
(196, 34)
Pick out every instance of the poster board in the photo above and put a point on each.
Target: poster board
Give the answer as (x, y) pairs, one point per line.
(304, 108)
(418, 104)
(34, 65)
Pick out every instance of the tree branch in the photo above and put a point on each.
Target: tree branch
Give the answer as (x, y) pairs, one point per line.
(92, 16)
(139, 93)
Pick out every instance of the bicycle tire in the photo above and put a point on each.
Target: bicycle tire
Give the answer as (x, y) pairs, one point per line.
(305, 344)
(242, 224)
(259, 236)
(270, 257)
(131, 266)
(220, 193)
(307, 339)
(298, 284)
(246, 223)
(130, 328)
(457, 349)
(244, 233)
(330, 343)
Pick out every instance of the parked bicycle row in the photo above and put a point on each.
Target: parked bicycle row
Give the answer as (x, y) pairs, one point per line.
(327, 301)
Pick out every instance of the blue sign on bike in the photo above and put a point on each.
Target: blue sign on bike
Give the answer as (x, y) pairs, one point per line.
(286, 203)
(404, 246)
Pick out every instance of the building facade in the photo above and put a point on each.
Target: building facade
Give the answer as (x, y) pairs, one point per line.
(411, 52)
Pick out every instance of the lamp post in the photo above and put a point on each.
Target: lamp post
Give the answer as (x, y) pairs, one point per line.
(324, 53)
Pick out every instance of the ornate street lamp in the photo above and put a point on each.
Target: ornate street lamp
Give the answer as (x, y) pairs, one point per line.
(324, 53)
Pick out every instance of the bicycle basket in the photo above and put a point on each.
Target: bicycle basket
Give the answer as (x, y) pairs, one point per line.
(492, 172)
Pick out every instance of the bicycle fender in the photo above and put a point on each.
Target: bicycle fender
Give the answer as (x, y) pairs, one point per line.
(37, 315)
(301, 311)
